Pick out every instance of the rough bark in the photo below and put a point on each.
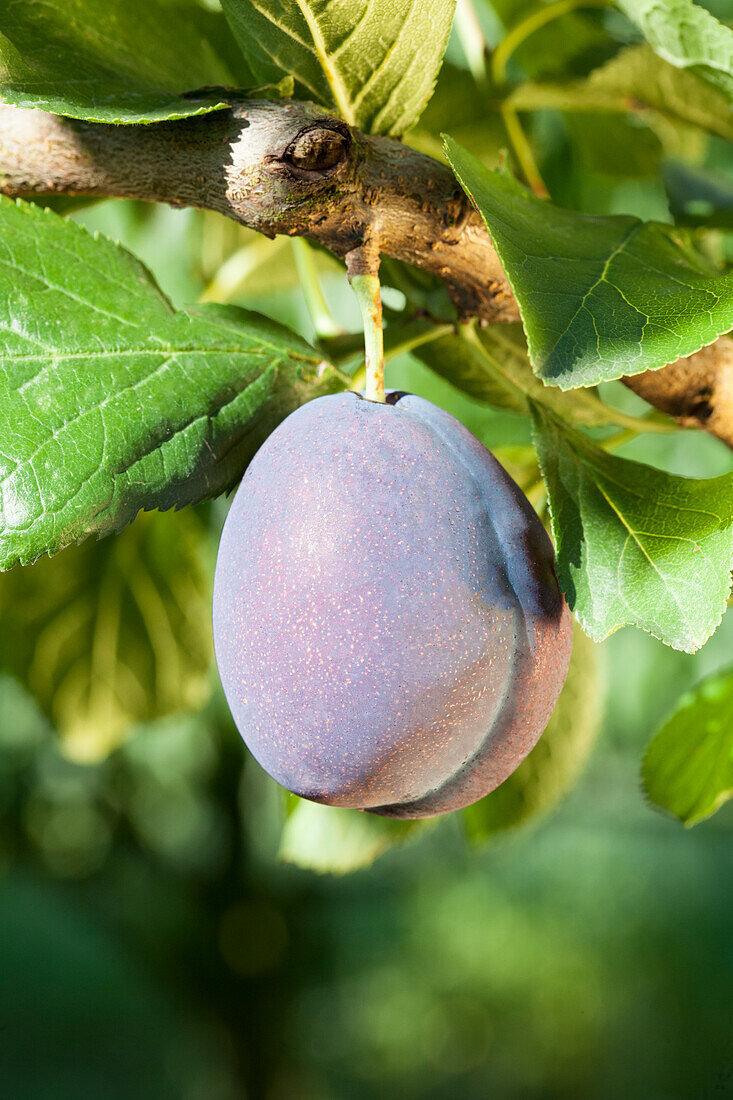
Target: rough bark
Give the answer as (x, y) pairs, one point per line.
(285, 167)
(697, 390)
(261, 163)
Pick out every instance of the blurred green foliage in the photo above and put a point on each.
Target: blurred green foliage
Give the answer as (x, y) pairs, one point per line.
(150, 946)
(113, 632)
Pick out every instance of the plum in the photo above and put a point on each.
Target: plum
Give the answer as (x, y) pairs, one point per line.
(388, 626)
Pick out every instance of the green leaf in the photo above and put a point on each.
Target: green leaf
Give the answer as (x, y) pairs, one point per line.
(635, 80)
(619, 146)
(688, 37)
(111, 402)
(555, 763)
(329, 839)
(113, 633)
(464, 366)
(688, 766)
(635, 544)
(643, 80)
(113, 60)
(600, 297)
(491, 365)
(375, 61)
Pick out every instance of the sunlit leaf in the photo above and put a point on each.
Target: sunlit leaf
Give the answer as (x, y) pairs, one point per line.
(492, 366)
(688, 767)
(635, 544)
(635, 80)
(114, 632)
(644, 80)
(555, 763)
(113, 60)
(688, 37)
(600, 297)
(375, 61)
(459, 362)
(109, 400)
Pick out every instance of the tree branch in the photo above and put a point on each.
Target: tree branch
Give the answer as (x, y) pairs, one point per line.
(697, 390)
(286, 167)
(277, 167)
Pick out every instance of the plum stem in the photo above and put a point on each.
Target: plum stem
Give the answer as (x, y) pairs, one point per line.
(367, 291)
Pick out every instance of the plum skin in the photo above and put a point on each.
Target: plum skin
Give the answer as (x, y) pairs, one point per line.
(388, 626)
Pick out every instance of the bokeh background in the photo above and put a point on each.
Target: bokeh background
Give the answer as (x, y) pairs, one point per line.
(152, 944)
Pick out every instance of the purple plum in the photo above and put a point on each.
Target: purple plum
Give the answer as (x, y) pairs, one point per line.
(388, 625)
